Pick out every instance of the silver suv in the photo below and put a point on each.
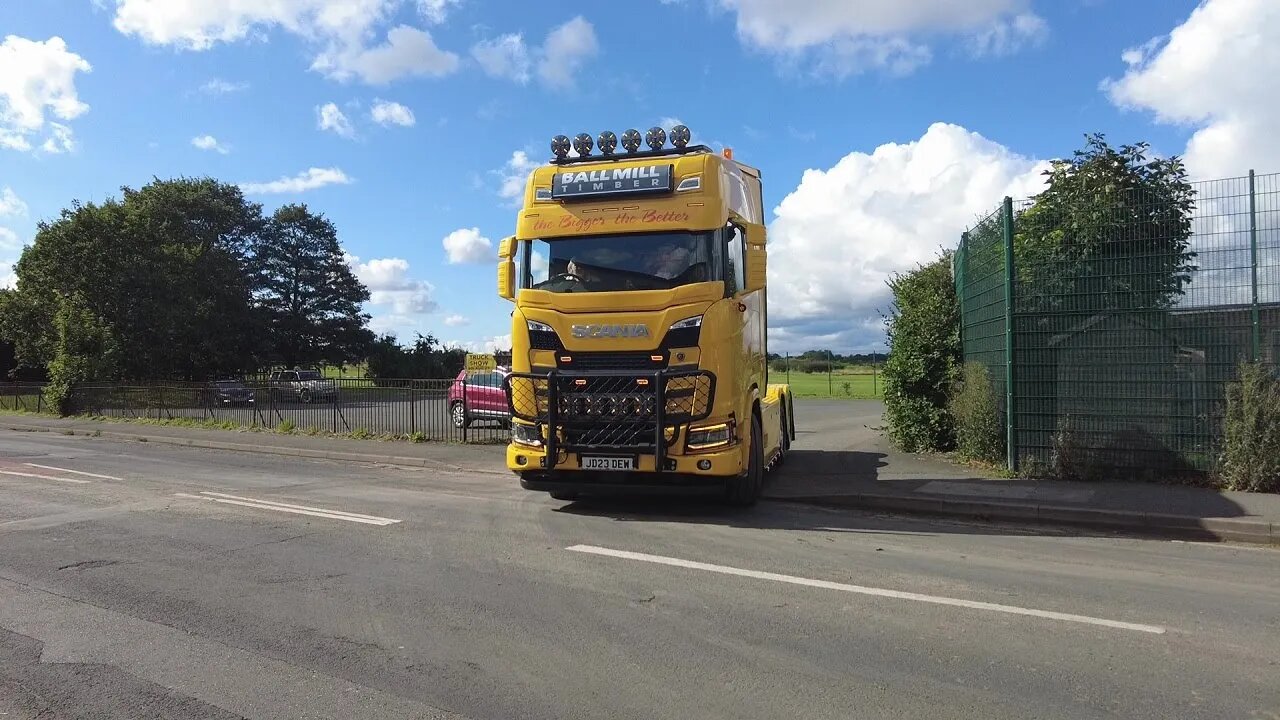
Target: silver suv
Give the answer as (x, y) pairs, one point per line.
(305, 386)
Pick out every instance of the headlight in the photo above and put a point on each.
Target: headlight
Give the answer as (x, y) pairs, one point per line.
(710, 436)
(526, 434)
(536, 326)
(692, 322)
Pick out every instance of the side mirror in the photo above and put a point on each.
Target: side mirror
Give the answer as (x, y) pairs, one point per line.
(507, 280)
(757, 267)
(507, 268)
(757, 258)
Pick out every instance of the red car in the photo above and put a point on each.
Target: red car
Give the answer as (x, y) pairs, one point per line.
(484, 399)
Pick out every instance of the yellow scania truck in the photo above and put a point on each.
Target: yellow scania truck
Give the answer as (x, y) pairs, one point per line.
(639, 353)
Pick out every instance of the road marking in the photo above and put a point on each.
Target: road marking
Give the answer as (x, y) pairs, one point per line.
(861, 590)
(74, 472)
(287, 508)
(43, 477)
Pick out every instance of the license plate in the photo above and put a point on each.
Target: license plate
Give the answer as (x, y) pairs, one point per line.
(608, 463)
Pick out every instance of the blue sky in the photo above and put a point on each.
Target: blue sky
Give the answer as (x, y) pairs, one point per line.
(881, 128)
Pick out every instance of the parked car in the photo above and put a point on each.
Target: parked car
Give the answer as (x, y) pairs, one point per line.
(225, 392)
(483, 399)
(305, 386)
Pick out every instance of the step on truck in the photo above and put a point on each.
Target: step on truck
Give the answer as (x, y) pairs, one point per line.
(639, 346)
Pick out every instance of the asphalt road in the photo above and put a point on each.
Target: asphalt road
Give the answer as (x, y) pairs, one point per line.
(139, 580)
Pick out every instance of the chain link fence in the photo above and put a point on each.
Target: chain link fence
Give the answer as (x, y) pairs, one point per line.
(1112, 356)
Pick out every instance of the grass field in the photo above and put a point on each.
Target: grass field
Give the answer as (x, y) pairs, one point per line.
(853, 383)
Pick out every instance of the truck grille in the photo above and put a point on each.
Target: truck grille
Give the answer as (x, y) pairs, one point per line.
(591, 361)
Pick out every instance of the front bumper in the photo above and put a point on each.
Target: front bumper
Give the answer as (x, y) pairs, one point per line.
(680, 475)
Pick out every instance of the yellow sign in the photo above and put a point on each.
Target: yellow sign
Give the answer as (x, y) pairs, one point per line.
(480, 363)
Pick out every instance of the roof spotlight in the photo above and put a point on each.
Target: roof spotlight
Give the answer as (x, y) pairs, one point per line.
(582, 143)
(608, 142)
(560, 146)
(680, 136)
(656, 138)
(631, 140)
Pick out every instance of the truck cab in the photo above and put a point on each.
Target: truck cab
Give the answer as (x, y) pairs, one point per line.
(639, 330)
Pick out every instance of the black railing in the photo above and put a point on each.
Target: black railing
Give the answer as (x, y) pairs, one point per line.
(23, 397)
(611, 411)
(437, 410)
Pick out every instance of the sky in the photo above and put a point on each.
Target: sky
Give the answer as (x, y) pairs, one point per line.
(882, 129)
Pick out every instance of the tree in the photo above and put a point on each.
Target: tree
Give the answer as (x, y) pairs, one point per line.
(1110, 232)
(425, 359)
(155, 277)
(307, 297)
(924, 357)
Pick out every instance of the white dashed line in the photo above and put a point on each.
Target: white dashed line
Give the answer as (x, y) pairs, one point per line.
(861, 590)
(288, 508)
(44, 477)
(73, 472)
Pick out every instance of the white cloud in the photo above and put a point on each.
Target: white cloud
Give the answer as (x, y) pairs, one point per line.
(839, 234)
(218, 86)
(8, 280)
(456, 321)
(392, 113)
(503, 57)
(845, 37)
(38, 78)
(310, 179)
(343, 32)
(11, 204)
(329, 117)
(492, 344)
(1212, 72)
(467, 245)
(390, 286)
(565, 50)
(408, 52)
(513, 177)
(1008, 36)
(9, 240)
(209, 142)
(436, 10)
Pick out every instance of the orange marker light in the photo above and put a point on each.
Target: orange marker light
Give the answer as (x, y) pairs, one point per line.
(565, 359)
(728, 153)
(579, 382)
(642, 381)
(656, 358)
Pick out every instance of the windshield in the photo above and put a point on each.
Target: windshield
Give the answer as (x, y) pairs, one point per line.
(610, 263)
(228, 384)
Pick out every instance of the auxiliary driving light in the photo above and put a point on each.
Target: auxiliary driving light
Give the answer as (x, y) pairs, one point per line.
(560, 146)
(680, 136)
(607, 141)
(631, 140)
(656, 138)
(582, 143)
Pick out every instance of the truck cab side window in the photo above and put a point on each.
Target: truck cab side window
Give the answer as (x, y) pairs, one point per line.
(735, 273)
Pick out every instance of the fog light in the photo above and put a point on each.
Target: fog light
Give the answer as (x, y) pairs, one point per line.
(521, 460)
(704, 464)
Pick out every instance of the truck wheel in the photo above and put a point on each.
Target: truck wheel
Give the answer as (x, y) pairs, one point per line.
(784, 445)
(744, 490)
(305, 397)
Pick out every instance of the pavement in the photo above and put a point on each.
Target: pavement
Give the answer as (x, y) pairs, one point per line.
(839, 460)
(159, 581)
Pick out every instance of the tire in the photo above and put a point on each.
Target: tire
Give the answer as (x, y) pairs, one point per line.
(744, 490)
(458, 414)
(784, 445)
(564, 495)
(305, 396)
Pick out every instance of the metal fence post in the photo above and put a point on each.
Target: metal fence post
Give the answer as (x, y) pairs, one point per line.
(465, 380)
(1011, 433)
(413, 403)
(1256, 336)
(960, 271)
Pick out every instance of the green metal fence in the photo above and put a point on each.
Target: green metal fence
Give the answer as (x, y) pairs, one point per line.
(1110, 337)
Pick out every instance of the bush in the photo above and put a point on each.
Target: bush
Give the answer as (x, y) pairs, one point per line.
(1250, 458)
(976, 411)
(924, 354)
(286, 426)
